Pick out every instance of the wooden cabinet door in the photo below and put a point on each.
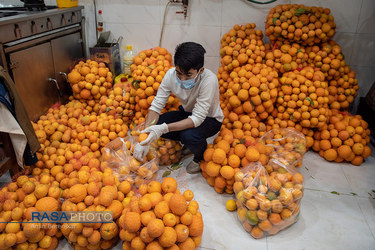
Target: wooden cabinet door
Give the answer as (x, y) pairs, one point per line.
(31, 69)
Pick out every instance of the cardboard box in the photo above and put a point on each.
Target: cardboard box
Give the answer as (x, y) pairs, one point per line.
(108, 53)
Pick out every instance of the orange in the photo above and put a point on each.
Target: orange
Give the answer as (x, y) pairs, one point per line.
(154, 186)
(330, 154)
(257, 233)
(161, 209)
(188, 194)
(169, 220)
(155, 228)
(169, 185)
(168, 238)
(146, 217)
(196, 226)
(252, 154)
(132, 222)
(344, 151)
(177, 204)
(144, 236)
(218, 156)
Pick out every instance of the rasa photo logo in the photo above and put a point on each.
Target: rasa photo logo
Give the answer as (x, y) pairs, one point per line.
(72, 217)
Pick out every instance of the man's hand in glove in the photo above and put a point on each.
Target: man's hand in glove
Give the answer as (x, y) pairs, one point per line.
(140, 151)
(155, 132)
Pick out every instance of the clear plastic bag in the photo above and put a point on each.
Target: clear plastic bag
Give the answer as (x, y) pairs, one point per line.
(287, 146)
(267, 203)
(169, 151)
(117, 156)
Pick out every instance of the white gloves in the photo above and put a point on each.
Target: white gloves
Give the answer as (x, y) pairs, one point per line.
(155, 132)
(140, 151)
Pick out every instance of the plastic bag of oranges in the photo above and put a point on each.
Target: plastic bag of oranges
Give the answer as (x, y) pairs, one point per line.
(267, 202)
(118, 155)
(169, 151)
(286, 146)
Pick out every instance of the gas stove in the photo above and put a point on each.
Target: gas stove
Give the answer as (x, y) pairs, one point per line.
(18, 10)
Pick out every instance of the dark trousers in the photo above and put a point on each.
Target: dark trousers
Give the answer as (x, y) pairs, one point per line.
(192, 138)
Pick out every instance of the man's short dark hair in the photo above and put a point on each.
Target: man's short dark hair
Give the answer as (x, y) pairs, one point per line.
(188, 56)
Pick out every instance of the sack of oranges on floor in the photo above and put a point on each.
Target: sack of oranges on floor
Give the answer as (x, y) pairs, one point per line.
(102, 192)
(19, 199)
(267, 202)
(161, 217)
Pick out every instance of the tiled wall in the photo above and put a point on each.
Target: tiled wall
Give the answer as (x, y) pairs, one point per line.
(139, 22)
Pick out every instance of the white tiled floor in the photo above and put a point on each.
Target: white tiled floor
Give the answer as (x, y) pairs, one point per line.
(327, 221)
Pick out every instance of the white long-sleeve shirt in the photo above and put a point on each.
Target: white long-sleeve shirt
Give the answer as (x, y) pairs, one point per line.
(202, 100)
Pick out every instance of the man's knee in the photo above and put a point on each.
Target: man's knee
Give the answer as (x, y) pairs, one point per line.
(191, 137)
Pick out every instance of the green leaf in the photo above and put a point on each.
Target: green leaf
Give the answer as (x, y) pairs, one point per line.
(242, 141)
(299, 50)
(135, 83)
(252, 104)
(166, 173)
(274, 20)
(107, 109)
(311, 101)
(299, 11)
(334, 192)
(152, 122)
(134, 124)
(281, 96)
(234, 38)
(150, 67)
(353, 193)
(291, 116)
(176, 166)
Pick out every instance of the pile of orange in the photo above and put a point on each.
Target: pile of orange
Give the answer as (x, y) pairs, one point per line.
(148, 70)
(303, 99)
(161, 218)
(98, 191)
(341, 79)
(90, 80)
(300, 24)
(344, 139)
(18, 200)
(287, 57)
(118, 102)
(267, 202)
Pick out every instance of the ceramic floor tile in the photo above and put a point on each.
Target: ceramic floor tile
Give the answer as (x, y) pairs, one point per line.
(367, 206)
(361, 178)
(322, 175)
(327, 221)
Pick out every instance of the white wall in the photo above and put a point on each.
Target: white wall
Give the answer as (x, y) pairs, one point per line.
(139, 22)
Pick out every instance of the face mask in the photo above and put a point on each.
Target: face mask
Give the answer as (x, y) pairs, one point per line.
(187, 84)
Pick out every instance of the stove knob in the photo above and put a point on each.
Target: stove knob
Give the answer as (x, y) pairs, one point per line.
(63, 20)
(34, 29)
(17, 31)
(49, 24)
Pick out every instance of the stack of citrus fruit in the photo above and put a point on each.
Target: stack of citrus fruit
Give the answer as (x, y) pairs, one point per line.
(345, 138)
(161, 218)
(148, 70)
(95, 192)
(299, 23)
(90, 80)
(19, 229)
(169, 152)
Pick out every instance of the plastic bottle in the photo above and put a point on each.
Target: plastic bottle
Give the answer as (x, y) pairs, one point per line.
(100, 22)
(128, 59)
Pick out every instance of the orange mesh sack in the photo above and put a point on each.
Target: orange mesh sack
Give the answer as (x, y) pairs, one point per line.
(285, 146)
(118, 155)
(267, 202)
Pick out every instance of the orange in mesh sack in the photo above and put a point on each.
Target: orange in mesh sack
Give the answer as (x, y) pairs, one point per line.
(268, 202)
(117, 155)
(169, 151)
